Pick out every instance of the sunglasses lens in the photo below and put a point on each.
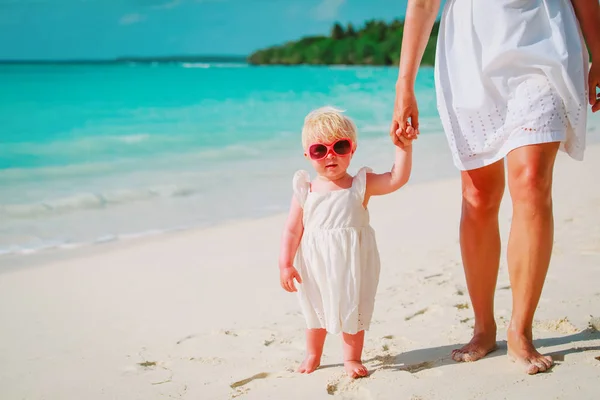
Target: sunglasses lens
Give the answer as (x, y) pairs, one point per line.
(343, 147)
(317, 151)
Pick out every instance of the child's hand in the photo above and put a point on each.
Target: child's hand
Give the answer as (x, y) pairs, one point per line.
(286, 278)
(405, 139)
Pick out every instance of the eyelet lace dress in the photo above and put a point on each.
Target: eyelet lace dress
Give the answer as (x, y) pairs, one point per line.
(338, 258)
(510, 73)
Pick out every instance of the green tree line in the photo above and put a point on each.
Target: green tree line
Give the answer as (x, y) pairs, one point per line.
(376, 43)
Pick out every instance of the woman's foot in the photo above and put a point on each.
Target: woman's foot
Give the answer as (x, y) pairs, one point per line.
(480, 345)
(355, 369)
(521, 350)
(310, 363)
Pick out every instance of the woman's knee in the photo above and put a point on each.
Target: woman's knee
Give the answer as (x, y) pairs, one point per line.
(482, 190)
(530, 174)
(483, 199)
(531, 184)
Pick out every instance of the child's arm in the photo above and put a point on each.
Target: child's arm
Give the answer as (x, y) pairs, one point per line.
(379, 184)
(290, 241)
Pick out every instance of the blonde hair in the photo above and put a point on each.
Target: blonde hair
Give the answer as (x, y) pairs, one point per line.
(326, 125)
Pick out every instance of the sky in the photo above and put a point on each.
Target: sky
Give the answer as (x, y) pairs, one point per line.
(103, 29)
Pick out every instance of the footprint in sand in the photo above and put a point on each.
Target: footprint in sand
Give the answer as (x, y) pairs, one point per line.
(414, 368)
(154, 372)
(243, 382)
(188, 337)
(239, 386)
(420, 312)
(194, 336)
(562, 325)
(239, 392)
(147, 364)
(347, 387)
(332, 387)
(207, 360)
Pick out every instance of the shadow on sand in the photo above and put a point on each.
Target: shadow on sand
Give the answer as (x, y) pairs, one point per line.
(422, 359)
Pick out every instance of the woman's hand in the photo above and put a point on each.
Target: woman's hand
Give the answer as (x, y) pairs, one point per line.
(593, 82)
(405, 121)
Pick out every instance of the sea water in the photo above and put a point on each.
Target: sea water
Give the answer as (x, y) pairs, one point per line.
(96, 153)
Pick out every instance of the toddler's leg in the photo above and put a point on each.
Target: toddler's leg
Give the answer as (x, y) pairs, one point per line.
(315, 339)
(353, 346)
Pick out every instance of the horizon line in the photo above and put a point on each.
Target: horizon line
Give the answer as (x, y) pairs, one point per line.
(123, 59)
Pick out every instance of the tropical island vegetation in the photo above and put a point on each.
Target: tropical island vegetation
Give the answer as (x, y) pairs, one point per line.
(376, 43)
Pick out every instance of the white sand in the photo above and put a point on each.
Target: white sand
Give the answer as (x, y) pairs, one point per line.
(205, 312)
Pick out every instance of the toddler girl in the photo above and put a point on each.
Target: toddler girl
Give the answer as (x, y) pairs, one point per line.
(327, 231)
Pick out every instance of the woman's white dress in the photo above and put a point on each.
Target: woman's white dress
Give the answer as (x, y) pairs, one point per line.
(337, 258)
(510, 73)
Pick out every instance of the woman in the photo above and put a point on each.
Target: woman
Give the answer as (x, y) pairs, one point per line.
(512, 80)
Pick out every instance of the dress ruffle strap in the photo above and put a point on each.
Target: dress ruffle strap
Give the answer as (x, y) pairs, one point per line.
(301, 186)
(360, 181)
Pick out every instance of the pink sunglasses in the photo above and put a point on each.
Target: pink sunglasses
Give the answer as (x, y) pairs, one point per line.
(319, 151)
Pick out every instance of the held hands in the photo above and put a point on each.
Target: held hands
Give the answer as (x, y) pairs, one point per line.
(287, 276)
(405, 122)
(594, 81)
(404, 138)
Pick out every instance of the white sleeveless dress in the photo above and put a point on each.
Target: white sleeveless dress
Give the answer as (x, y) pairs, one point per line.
(338, 258)
(510, 73)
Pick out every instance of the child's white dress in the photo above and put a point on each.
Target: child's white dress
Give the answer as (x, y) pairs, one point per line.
(338, 258)
(510, 73)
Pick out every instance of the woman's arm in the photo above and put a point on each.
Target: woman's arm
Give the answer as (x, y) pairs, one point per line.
(588, 14)
(420, 16)
(419, 20)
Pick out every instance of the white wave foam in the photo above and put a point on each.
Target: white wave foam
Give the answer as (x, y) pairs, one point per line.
(195, 65)
(24, 250)
(86, 201)
(132, 138)
(214, 65)
(67, 245)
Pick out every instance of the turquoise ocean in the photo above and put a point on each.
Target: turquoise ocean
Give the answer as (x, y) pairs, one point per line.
(97, 153)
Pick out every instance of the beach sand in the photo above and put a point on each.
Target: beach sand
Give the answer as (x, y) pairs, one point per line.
(201, 315)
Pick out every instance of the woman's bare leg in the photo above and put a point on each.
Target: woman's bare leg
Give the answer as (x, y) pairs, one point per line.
(530, 170)
(482, 189)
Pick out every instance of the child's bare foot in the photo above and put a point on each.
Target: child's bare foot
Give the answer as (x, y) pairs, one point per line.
(355, 369)
(315, 339)
(353, 346)
(310, 363)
